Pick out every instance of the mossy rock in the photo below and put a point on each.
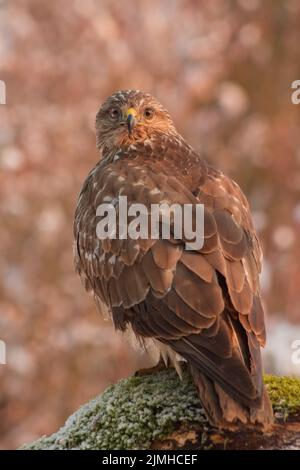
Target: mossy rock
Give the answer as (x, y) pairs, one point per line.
(162, 411)
(284, 394)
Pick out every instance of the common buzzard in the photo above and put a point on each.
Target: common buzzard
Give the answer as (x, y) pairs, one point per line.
(201, 307)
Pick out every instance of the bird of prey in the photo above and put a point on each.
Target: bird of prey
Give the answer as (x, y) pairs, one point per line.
(199, 307)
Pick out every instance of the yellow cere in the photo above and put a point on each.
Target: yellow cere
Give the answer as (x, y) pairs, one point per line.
(130, 111)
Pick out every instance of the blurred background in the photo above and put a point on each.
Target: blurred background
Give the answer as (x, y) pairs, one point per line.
(224, 70)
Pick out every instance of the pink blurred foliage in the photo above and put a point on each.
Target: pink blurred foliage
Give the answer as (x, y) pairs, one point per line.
(224, 71)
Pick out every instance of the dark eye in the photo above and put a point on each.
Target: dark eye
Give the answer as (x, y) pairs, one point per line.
(114, 113)
(148, 113)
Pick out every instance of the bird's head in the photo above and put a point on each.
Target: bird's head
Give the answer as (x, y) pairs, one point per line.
(128, 117)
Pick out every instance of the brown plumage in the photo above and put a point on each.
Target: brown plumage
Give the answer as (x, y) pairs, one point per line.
(200, 306)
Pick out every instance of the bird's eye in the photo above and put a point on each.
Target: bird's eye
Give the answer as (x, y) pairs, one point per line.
(148, 113)
(114, 113)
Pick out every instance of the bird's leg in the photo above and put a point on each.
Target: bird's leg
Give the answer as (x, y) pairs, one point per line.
(151, 370)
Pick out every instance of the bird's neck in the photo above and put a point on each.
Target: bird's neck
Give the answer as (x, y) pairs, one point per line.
(158, 146)
(167, 153)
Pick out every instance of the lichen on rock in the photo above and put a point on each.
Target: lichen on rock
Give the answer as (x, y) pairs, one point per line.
(141, 410)
(130, 414)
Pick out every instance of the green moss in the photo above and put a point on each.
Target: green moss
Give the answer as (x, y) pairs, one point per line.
(284, 393)
(138, 410)
(129, 415)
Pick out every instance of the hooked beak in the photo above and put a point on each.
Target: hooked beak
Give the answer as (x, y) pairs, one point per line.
(130, 119)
